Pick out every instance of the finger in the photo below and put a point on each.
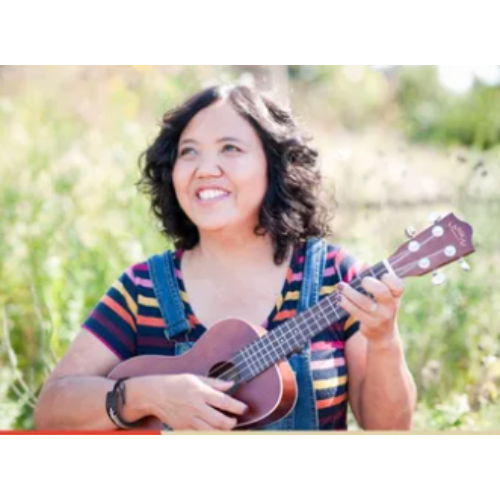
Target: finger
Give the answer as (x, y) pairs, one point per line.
(225, 402)
(358, 313)
(216, 419)
(380, 291)
(395, 284)
(217, 383)
(200, 425)
(361, 301)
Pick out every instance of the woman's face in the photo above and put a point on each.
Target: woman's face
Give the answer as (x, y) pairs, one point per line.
(220, 175)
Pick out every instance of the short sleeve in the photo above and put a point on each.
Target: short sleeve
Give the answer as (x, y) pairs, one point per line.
(114, 319)
(341, 266)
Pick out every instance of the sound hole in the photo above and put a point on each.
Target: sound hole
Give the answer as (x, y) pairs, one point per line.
(226, 371)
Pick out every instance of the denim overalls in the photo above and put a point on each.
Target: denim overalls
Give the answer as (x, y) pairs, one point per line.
(304, 415)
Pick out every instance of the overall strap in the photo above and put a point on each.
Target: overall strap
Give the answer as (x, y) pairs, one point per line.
(313, 273)
(162, 271)
(305, 415)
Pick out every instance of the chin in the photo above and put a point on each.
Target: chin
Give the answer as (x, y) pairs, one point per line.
(213, 225)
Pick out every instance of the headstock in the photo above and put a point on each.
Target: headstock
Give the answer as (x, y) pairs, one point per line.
(447, 240)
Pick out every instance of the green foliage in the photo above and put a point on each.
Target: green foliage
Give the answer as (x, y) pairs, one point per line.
(412, 96)
(430, 113)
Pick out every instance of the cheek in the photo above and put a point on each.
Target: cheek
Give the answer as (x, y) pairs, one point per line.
(254, 178)
(179, 178)
(180, 183)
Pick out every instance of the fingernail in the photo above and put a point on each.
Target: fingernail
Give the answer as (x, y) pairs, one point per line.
(341, 287)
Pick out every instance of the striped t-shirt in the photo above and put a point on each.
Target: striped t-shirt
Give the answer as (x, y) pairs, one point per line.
(128, 320)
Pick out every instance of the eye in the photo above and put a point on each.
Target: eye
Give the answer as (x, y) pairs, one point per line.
(187, 151)
(231, 148)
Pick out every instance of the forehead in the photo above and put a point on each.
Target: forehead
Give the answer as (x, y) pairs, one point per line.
(218, 120)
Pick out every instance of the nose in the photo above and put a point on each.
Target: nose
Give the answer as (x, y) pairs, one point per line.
(209, 166)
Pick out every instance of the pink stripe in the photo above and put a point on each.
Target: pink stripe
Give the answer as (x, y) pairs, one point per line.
(331, 255)
(143, 282)
(141, 267)
(301, 259)
(330, 271)
(297, 276)
(327, 364)
(340, 255)
(130, 273)
(331, 344)
(352, 272)
(178, 273)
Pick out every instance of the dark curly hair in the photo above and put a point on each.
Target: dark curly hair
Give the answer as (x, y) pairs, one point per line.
(292, 209)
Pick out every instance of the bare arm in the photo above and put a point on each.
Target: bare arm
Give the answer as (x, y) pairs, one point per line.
(74, 395)
(382, 390)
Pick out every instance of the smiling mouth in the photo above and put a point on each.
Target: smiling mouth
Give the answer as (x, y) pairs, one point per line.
(212, 195)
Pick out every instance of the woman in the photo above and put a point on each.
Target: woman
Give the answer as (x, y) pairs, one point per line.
(235, 186)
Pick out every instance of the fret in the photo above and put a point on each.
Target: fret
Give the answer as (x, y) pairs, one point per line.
(288, 335)
(277, 342)
(269, 354)
(243, 353)
(325, 317)
(302, 321)
(242, 365)
(334, 308)
(252, 349)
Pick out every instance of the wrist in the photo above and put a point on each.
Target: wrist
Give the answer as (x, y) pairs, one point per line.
(138, 403)
(386, 343)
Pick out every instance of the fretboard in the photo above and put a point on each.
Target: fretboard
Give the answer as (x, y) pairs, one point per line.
(292, 335)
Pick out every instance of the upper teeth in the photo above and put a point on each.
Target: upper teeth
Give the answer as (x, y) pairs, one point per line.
(208, 194)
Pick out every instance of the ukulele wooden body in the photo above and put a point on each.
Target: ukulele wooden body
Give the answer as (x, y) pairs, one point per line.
(270, 396)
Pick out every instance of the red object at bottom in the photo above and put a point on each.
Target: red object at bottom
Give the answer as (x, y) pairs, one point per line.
(84, 433)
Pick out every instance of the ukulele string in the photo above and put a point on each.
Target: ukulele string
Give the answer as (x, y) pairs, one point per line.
(236, 368)
(408, 252)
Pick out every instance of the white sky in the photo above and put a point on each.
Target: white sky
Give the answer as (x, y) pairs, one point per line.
(461, 78)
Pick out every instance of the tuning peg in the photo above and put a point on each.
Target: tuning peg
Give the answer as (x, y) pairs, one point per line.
(410, 232)
(464, 265)
(434, 217)
(438, 278)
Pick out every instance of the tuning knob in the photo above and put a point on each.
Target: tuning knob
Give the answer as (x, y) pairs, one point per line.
(410, 232)
(434, 217)
(464, 265)
(438, 278)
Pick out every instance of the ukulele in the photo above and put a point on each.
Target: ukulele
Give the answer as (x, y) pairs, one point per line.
(256, 359)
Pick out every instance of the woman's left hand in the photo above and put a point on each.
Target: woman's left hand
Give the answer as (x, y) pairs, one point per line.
(377, 316)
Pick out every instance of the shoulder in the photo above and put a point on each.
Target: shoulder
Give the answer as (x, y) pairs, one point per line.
(138, 276)
(341, 260)
(135, 274)
(139, 272)
(340, 263)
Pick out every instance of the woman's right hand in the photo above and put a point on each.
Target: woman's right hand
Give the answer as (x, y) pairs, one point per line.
(190, 402)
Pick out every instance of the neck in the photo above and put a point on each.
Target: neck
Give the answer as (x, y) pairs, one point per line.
(233, 250)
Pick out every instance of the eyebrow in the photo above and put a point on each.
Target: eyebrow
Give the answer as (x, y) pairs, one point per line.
(222, 139)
